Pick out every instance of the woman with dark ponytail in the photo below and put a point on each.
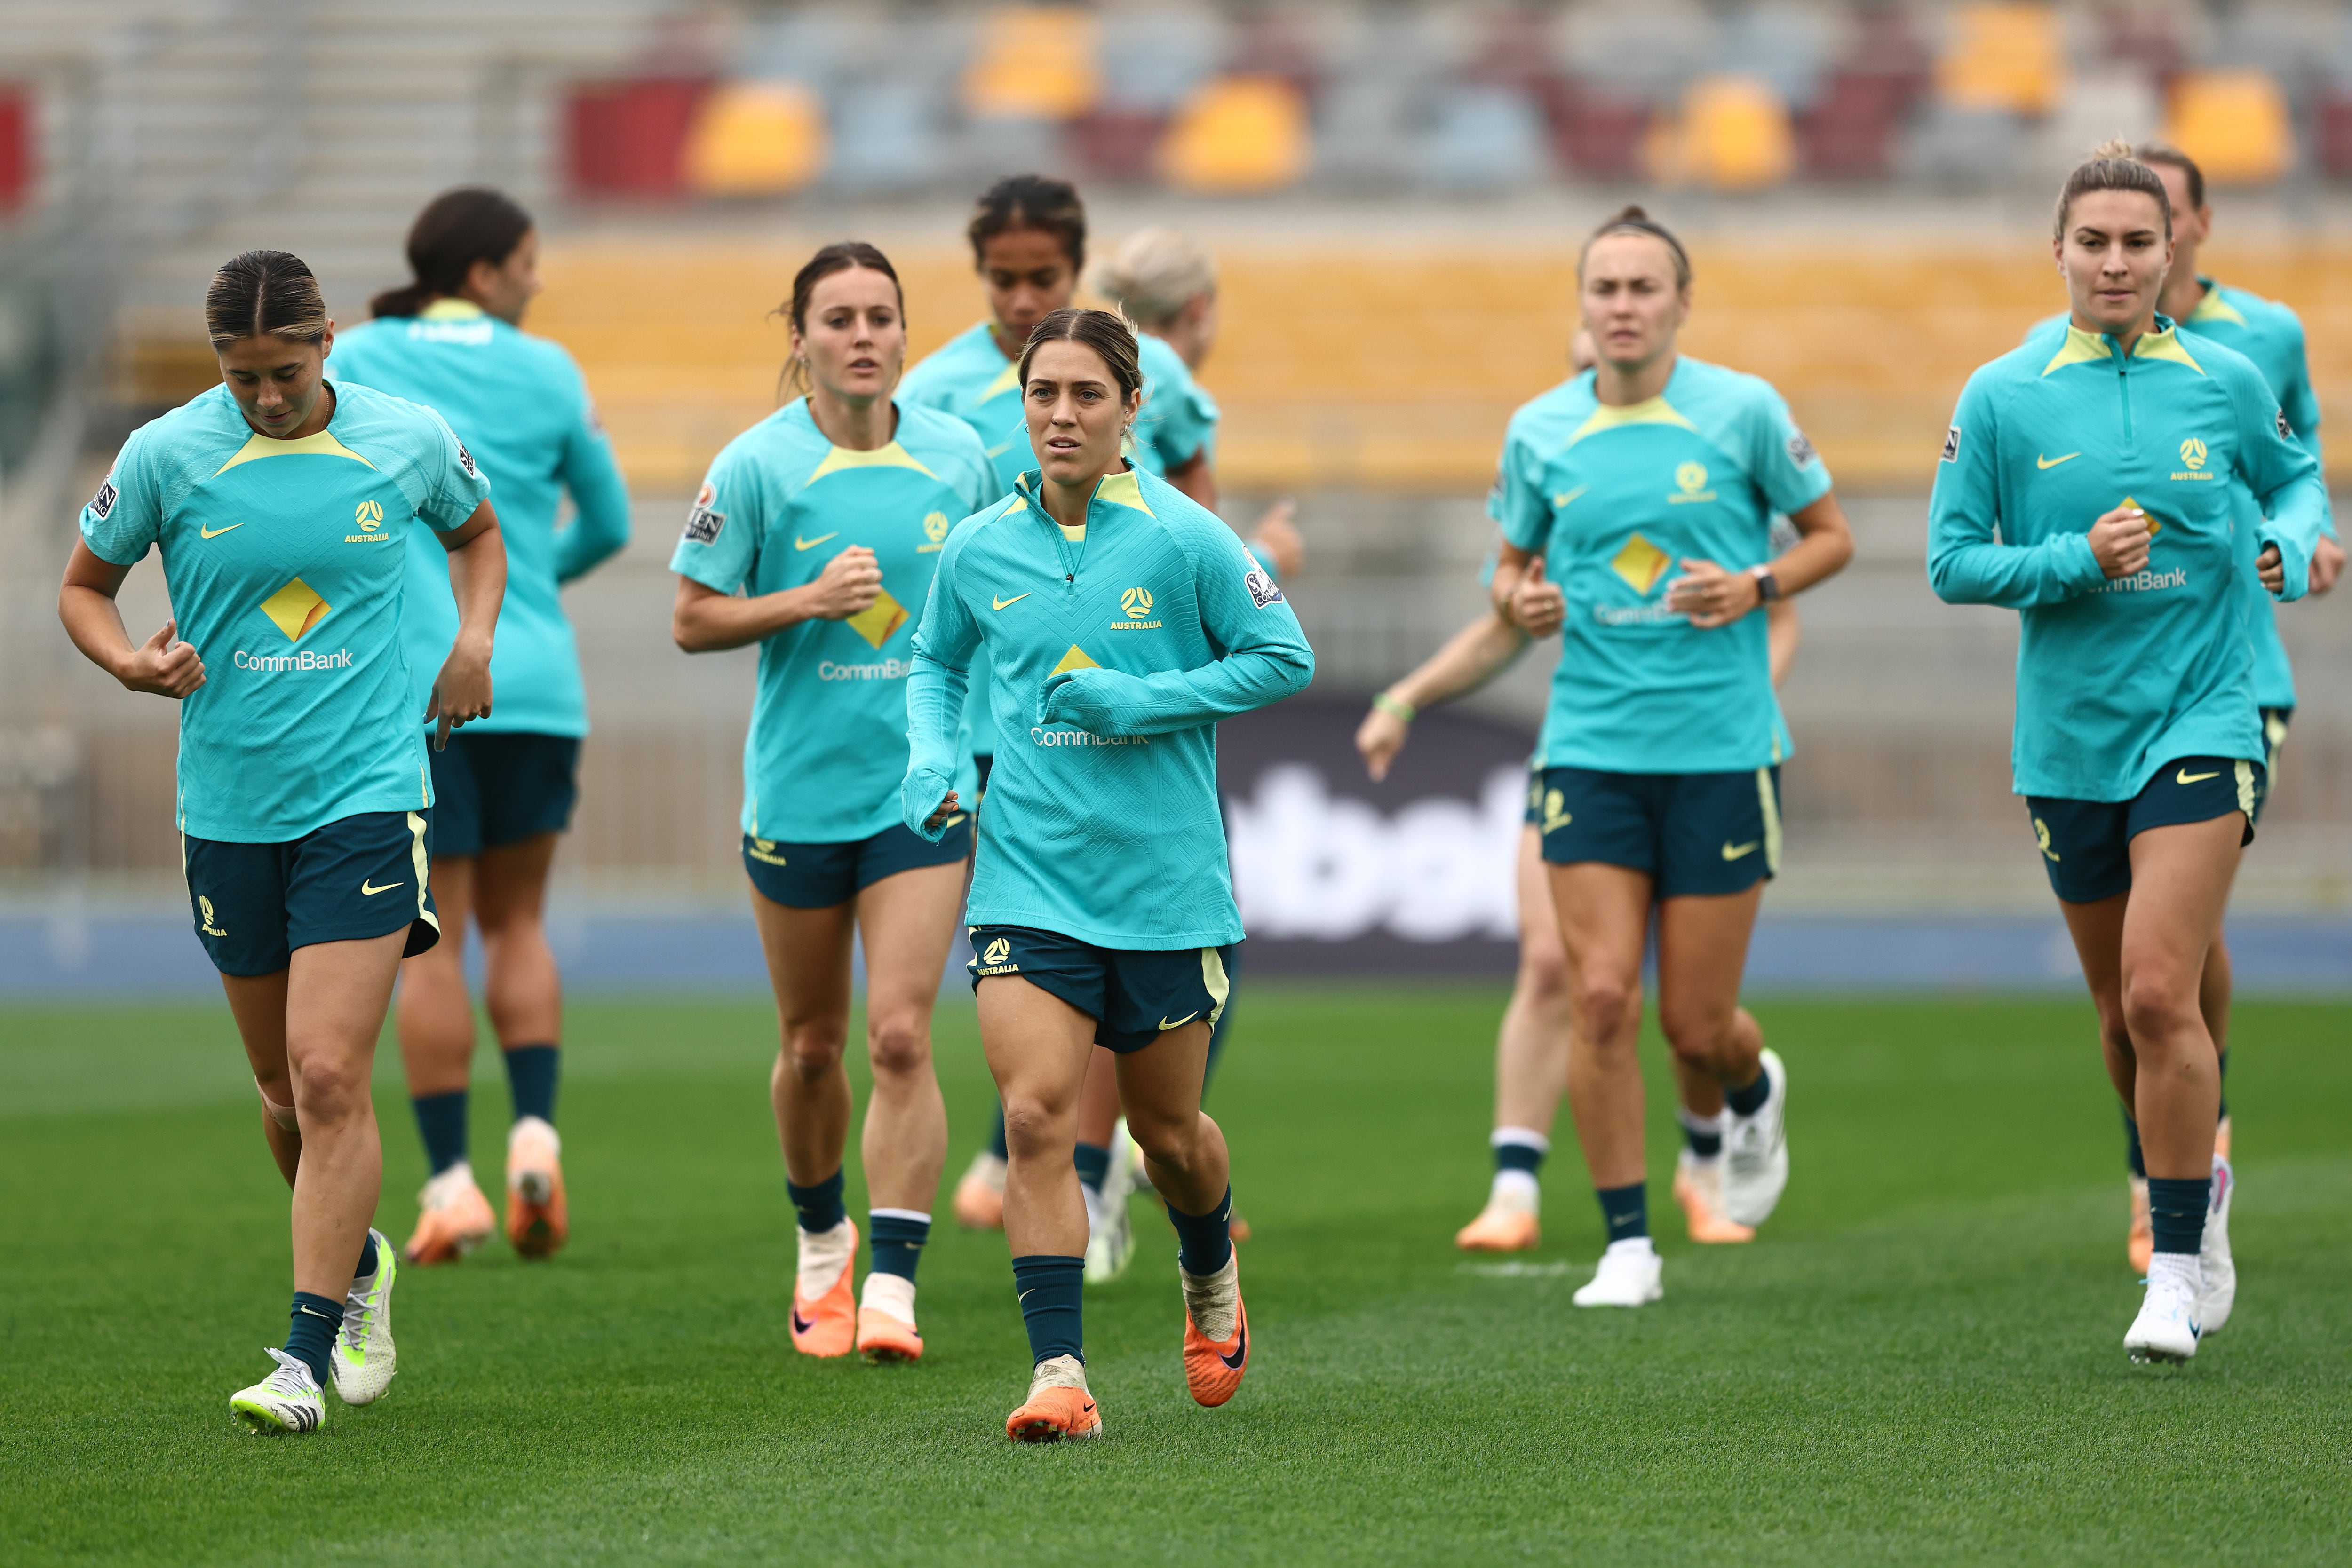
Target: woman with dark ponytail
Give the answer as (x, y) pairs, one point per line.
(2089, 482)
(451, 339)
(282, 504)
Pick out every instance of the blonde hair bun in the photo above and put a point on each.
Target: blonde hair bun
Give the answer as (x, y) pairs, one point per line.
(1154, 274)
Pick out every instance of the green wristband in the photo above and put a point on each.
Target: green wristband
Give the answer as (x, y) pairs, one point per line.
(1395, 707)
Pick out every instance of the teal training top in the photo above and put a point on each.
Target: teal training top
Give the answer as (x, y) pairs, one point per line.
(520, 405)
(2272, 336)
(970, 377)
(2116, 679)
(827, 745)
(285, 561)
(1614, 499)
(1114, 649)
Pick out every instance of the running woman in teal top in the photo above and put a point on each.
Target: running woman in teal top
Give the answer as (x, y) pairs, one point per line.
(2088, 482)
(1102, 908)
(1028, 236)
(282, 503)
(2269, 334)
(831, 517)
(452, 341)
(1636, 502)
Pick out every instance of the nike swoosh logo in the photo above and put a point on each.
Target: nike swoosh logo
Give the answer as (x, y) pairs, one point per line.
(371, 890)
(1562, 502)
(800, 543)
(800, 1323)
(951, 821)
(1241, 1351)
(2185, 776)
(1732, 852)
(999, 603)
(2042, 462)
(203, 532)
(1181, 1022)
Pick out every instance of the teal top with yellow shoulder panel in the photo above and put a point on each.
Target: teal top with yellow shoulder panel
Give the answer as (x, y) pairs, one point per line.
(286, 566)
(1614, 498)
(1113, 648)
(828, 740)
(2117, 678)
(521, 407)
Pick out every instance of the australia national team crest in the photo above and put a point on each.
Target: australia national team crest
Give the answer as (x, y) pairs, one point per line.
(1263, 590)
(703, 523)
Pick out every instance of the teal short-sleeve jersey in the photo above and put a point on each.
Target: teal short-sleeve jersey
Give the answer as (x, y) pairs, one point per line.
(286, 564)
(1179, 419)
(827, 745)
(1113, 649)
(2117, 678)
(522, 409)
(1614, 499)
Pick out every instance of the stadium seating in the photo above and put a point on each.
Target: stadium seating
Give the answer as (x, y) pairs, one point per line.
(2003, 56)
(1734, 134)
(1033, 63)
(2234, 123)
(756, 139)
(1238, 134)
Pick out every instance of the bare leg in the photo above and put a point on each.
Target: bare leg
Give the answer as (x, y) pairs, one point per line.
(1183, 1149)
(258, 1005)
(521, 986)
(2180, 883)
(1532, 1051)
(2214, 988)
(1702, 953)
(436, 1018)
(1099, 1107)
(1038, 1047)
(1603, 914)
(907, 921)
(808, 965)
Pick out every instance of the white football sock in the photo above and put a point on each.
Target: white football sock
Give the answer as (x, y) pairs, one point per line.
(823, 1257)
(1516, 1191)
(1212, 1299)
(1632, 1246)
(449, 1186)
(891, 1293)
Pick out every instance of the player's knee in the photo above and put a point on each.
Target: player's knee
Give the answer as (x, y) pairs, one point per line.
(329, 1091)
(812, 1050)
(2159, 1005)
(1694, 1034)
(1171, 1141)
(1604, 1006)
(1035, 1128)
(898, 1047)
(1543, 978)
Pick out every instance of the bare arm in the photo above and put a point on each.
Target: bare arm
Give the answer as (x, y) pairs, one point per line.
(1713, 597)
(1197, 477)
(1471, 657)
(162, 664)
(704, 621)
(478, 578)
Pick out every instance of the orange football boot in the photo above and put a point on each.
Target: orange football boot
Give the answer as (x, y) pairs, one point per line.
(1052, 1415)
(1213, 1369)
(980, 1196)
(887, 1341)
(1498, 1230)
(829, 1326)
(539, 1220)
(1703, 1214)
(1237, 1229)
(454, 1218)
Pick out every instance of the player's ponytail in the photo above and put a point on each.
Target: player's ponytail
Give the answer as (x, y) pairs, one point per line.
(1154, 274)
(456, 229)
(264, 293)
(1632, 220)
(2111, 167)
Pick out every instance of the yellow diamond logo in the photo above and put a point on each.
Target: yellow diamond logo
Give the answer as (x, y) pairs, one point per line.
(879, 620)
(295, 609)
(1640, 564)
(1075, 659)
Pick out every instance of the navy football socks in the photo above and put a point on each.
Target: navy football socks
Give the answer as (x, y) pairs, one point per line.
(1204, 1241)
(1053, 1293)
(1748, 1101)
(897, 1237)
(2176, 1211)
(311, 1335)
(1626, 1209)
(366, 1269)
(441, 1118)
(1093, 1161)
(820, 1207)
(530, 1079)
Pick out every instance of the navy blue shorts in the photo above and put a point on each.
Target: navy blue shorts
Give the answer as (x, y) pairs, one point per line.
(1691, 833)
(818, 876)
(355, 879)
(494, 790)
(2274, 722)
(1133, 996)
(2086, 844)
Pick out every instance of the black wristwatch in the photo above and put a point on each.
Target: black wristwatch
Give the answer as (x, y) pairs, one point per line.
(1767, 587)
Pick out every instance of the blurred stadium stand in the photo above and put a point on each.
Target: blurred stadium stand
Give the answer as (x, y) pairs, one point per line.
(1393, 192)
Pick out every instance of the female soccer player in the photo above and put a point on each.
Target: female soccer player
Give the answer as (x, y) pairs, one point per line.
(831, 516)
(2087, 482)
(1028, 236)
(1102, 909)
(281, 502)
(1659, 780)
(1532, 1048)
(504, 790)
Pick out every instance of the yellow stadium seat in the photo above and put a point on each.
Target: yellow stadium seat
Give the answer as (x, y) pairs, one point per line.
(1238, 133)
(1033, 62)
(1733, 135)
(2234, 123)
(2004, 57)
(756, 139)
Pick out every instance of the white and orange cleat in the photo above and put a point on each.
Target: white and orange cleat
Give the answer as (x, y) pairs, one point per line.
(980, 1196)
(1216, 1332)
(825, 1304)
(537, 1219)
(1500, 1227)
(887, 1334)
(1698, 1188)
(453, 1218)
(1058, 1408)
(2139, 1241)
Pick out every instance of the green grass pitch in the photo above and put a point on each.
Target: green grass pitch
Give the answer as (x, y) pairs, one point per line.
(1920, 1360)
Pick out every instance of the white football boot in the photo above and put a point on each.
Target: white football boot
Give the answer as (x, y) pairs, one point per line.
(1756, 1152)
(362, 1362)
(1111, 1230)
(2167, 1329)
(2220, 1293)
(1628, 1276)
(287, 1401)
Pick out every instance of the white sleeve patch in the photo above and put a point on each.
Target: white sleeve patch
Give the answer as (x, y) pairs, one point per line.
(103, 502)
(1952, 444)
(1263, 590)
(702, 524)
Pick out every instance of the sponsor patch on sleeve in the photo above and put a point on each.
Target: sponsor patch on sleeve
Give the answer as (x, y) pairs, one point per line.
(1263, 590)
(1952, 444)
(103, 502)
(465, 461)
(703, 523)
(2286, 433)
(1800, 451)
